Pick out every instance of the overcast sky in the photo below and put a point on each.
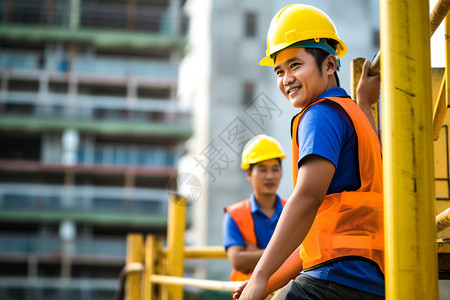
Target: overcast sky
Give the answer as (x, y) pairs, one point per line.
(437, 43)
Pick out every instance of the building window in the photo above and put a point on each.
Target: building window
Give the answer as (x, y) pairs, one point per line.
(250, 24)
(248, 93)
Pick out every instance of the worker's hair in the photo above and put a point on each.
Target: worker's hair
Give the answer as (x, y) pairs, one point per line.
(250, 168)
(319, 55)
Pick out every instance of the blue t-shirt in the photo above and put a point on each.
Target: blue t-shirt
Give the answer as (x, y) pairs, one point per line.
(264, 227)
(326, 130)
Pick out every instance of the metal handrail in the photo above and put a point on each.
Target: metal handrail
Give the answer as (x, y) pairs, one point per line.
(443, 220)
(147, 267)
(128, 269)
(206, 252)
(212, 285)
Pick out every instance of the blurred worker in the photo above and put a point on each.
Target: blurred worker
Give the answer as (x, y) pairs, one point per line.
(336, 209)
(249, 224)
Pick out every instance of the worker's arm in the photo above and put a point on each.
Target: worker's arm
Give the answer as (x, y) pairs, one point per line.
(289, 270)
(244, 259)
(368, 92)
(298, 215)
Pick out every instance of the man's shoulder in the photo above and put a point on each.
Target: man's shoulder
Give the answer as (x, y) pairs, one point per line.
(325, 105)
(325, 111)
(243, 204)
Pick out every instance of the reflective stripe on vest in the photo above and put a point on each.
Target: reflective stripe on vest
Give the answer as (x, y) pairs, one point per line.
(241, 213)
(348, 223)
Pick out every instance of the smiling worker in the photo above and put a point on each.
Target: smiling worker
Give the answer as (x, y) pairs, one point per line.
(249, 224)
(336, 209)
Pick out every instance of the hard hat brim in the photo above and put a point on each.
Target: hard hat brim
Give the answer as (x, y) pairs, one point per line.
(268, 61)
(247, 164)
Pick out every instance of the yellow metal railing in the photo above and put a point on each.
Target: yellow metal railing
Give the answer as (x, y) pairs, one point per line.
(135, 256)
(443, 220)
(148, 276)
(440, 108)
(212, 285)
(175, 243)
(209, 252)
(153, 272)
(442, 102)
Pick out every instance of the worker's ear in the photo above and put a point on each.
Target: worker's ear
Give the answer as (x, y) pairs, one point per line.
(249, 174)
(331, 64)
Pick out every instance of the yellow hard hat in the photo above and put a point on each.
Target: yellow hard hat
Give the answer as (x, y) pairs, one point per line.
(299, 22)
(260, 148)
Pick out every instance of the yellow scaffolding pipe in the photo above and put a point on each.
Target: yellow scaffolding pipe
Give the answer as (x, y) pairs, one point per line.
(142, 277)
(438, 14)
(440, 108)
(152, 244)
(447, 60)
(410, 231)
(442, 101)
(213, 285)
(135, 256)
(175, 243)
(443, 220)
(210, 252)
(203, 252)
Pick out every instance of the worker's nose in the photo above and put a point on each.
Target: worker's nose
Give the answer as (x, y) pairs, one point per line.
(270, 175)
(288, 78)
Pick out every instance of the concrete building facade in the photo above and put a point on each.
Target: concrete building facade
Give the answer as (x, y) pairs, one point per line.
(91, 133)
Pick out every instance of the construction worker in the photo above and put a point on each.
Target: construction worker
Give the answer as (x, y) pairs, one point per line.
(336, 209)
(249, 224)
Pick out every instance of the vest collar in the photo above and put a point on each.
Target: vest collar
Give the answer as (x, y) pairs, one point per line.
(332, 92)
(254, 206)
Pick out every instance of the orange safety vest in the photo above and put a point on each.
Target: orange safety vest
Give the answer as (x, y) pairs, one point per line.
(348, 223)
(241, 213)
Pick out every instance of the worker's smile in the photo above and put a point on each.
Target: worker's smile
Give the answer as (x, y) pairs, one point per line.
(293, 90)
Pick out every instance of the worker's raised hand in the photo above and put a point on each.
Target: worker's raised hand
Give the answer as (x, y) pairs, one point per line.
(368, 90)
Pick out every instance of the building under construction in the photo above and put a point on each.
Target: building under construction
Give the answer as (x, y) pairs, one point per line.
(93, 127)
(90, 135)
